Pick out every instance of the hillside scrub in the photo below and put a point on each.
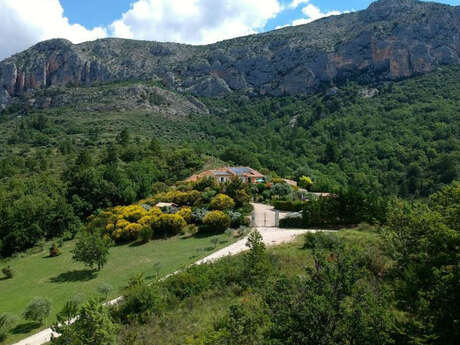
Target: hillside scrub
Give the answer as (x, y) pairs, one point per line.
(332, 288)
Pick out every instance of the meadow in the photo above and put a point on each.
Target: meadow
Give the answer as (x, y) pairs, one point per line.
(60, 278)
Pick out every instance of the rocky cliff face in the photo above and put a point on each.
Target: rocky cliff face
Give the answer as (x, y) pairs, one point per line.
(390, 40)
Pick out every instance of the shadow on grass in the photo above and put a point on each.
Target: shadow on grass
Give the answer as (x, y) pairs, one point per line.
(74, 276)
(50, 256)
(137, 244)
(25, 327)
(206, 234)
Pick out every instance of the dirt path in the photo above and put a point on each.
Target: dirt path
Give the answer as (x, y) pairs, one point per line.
(265, 224)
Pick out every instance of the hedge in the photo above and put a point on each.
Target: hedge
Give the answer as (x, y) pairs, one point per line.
(290, 205)
(292, 223)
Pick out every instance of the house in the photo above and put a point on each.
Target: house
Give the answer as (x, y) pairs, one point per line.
(226, 174)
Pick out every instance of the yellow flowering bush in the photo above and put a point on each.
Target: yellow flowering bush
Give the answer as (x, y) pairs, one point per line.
(217, 221)
(180, 198)
(169, 225)
(124, 223)
(186, 213)
(222, 202)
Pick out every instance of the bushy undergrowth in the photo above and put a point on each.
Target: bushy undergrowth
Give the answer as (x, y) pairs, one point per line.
(353, 287)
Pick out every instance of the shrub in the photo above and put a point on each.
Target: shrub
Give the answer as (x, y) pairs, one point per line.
(159, 187)
(222, 202)
(54, 250)
(93, 325)
(68, 236)
(124, 223)
(186, 213)
(289, 205)
(237, 219)
(37, 310)
(320, 240)
(140, 300)
(146, 234)
(281, 189)
(190, 230)
(348, 207)
(305, 182)
(185, 198)
(169, 225)
(6, 324)
(60, 242)
(208, 194)
(217, 221)
(241, 198)
(205, 183)
(198, 214)
(292, 223)
(8, 272)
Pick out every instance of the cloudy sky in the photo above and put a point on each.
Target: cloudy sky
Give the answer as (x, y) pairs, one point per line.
(26, 22)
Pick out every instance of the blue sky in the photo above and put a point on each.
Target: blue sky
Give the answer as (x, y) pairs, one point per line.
(93, 13)
(27, 22)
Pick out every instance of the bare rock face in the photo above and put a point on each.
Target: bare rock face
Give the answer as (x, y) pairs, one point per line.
(390, 40)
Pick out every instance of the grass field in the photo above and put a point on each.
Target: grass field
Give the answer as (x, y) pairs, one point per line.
(59, 278)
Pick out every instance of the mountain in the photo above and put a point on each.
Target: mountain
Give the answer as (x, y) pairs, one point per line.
(390, 40)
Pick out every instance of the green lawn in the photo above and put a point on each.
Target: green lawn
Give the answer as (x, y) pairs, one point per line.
(60, 278)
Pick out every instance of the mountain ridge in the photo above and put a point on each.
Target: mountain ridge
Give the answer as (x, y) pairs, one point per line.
(390, 40)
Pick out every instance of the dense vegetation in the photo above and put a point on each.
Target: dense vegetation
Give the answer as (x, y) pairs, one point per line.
(403, 141)
(63, 171)
(47, 201)
(398, 284)
(58, 166)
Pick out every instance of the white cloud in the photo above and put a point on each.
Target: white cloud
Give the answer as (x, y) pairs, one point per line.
(194, 21)
(297, 3)
(26, 22)
(312, 13)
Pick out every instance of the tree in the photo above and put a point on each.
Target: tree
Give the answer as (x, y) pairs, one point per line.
(426, 270)
(93, 326)
(111, 155)
(84, 159)
(124, 137)
(92, 250)
(244, 324)
(281, 189)
(140, 300)
(37, 310)
(256, 265)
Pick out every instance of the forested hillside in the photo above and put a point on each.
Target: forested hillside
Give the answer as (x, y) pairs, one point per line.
(404, 140)
(61, 164)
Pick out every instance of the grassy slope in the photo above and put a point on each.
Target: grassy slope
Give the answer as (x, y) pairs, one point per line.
(198, 313)
(60, 278)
